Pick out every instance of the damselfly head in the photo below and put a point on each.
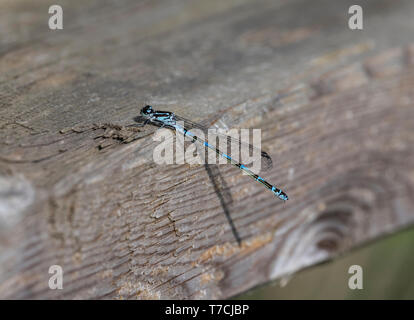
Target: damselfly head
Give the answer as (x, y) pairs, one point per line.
(147, 111)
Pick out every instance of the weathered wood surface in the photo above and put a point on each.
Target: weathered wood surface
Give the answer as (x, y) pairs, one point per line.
(92, 201)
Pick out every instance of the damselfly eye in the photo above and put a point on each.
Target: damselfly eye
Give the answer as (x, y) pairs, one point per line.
(147, 110)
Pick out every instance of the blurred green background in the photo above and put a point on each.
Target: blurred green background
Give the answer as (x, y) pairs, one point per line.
(388, 273)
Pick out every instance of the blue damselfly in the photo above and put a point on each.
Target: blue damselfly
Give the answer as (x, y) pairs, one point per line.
(170, 120)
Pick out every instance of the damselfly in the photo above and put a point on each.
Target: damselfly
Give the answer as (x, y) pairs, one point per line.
(171, 121)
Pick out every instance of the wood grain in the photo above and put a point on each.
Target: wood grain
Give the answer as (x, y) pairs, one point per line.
(80, 190)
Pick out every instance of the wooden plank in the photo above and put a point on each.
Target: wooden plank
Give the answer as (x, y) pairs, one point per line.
(335, 107)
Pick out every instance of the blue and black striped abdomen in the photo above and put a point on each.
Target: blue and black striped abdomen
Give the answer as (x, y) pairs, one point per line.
(276, 191)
